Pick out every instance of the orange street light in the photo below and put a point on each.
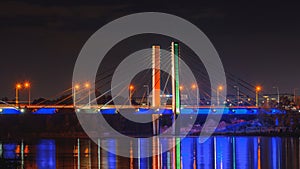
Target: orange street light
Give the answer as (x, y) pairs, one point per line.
(76, 87)
(220, 88)
(131, 87)
(180, 87)
(18, 87)
(88, 86)
(27, 86)
(257, 89)
(194, 86)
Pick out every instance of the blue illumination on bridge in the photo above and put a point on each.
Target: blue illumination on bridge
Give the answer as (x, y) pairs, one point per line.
(9, 110)
(45, 111)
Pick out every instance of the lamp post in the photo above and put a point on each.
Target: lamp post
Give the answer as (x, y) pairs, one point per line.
(295, 95)
(76, 87)
(88, 86)
(257, 90)
(131, 88)
(278, 97)
(237, 95)
(147, 94)
(18, 87)
(195, 86)
(27, 86)
(220, 88)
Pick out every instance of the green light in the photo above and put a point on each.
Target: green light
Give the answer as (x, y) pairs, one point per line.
(177, 87)
(233, 152)
(178, 158)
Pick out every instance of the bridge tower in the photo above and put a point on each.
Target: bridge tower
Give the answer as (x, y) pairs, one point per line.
(156, 76)
(155, 86)
(175, 79)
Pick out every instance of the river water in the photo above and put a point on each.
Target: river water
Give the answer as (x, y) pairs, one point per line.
(236, 152)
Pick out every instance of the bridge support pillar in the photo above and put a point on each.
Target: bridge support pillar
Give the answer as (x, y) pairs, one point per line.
(175, 86)
(155, 86)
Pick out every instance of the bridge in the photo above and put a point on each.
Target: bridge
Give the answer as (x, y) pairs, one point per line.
(82, 100)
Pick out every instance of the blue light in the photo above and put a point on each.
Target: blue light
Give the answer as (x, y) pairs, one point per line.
(276, 154)
(204, 154)
(144, 152)
(45, 111)
(9, 151)
(10, 111)
(108, 111)
(46, 154)
(187, 153)
(111, 157)
(242, 152)
(223, 152)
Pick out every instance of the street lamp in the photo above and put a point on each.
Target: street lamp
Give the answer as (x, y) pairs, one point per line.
(27, 86)
(220, 88)
(277, 88)
(195, 86)
(180, 87)
(131, 88)
(147, 99)
(76, 87)
(18, 87)
(88, 86)
(237, 95)
(295, 95)
(257, 90)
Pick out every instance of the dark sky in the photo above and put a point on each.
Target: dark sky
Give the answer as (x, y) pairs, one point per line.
(40, 40)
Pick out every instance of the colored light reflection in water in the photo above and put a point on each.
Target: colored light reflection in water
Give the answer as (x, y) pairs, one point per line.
(223, 147)
(217, 152)
(109, 159)
(46, 154)
(204, 154)
(242, 152)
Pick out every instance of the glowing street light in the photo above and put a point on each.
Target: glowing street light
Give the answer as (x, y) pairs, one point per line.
(195, 86)
(76, 87)
(88, 86)
(131, 88)
(180, 87)
(27, 86)
(257, 90)
(18, 87)
(219, 89)
(295, 89)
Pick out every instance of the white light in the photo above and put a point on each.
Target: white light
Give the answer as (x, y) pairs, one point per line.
(1, 110)
(22, 110)
(77, 110)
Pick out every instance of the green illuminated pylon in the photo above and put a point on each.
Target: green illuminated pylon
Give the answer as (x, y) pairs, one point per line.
(175, 81)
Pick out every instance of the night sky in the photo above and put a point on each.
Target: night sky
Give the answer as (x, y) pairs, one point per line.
(40, 40)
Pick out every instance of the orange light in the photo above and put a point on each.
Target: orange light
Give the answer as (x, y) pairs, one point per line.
(194, 86)
(87, 85)
(131, 87)
(258, 88)
(220, 88)
(18, 86)
(77, 86)
(26, 84)
(180, 87)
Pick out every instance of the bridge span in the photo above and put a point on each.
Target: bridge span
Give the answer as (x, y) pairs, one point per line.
(115, 109)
